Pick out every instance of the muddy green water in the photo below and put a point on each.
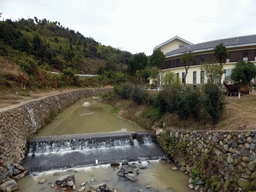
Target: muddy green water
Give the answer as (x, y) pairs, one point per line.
(95, 118)
(159, 175)
(98, 118)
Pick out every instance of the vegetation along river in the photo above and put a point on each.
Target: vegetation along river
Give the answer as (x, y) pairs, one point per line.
(96, 117)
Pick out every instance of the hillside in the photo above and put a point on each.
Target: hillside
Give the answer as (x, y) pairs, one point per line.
(31, 47)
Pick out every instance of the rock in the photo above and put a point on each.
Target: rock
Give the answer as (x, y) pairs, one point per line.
(21, 175)
(243, 183)
(196, 187)
(84, 183)
(70, 183)
(66, 181)
(81, 189)
(243, 152)
(86, 104)
(235, 156)
(125, 163)
(252, 146)
(9, 185)
(148, 186)
(251, 166)
(244, 164)
(159, 131)
(132, 177)
(253, 176)
(174, 168)
(230, 159)
(245, 176)
(116, 164)
(42, 181)
(247, 145)
(216, 151)
(52, 185)
(191, 186)
(246, 159)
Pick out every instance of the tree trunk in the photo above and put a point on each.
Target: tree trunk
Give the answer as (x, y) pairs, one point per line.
(239, 93)
(220, 84)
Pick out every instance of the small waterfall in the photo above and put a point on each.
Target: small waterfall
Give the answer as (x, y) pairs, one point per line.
(45, 153)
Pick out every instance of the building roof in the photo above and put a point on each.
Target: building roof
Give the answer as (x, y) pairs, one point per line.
(170, 40)
(210, 45)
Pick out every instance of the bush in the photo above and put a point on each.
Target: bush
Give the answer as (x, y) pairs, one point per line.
(213, 101)
(189, 104)
(160, 104)
(139, 95)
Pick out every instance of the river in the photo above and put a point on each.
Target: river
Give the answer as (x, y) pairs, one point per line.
(96, 117)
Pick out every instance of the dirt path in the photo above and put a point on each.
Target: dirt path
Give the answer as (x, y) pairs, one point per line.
(10, 100)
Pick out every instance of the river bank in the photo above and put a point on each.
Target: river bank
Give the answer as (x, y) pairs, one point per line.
(220, 158)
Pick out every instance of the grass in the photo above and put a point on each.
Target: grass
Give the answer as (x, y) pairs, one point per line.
(115, 110)
(23, 94)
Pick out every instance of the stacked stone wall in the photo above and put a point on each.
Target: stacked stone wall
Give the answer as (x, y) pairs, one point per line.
(16, 124)
(215, 160)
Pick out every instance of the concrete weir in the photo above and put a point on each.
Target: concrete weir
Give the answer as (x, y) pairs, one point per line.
(66, 151)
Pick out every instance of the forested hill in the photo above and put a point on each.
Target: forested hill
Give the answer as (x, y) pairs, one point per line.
(34, 43)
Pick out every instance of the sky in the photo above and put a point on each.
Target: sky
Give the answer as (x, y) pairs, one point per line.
(140, 25)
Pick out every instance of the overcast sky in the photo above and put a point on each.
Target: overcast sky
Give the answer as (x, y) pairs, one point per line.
(140, 25)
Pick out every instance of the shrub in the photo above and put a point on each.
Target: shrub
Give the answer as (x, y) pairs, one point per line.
(139, 95)
(213, 101)
(123, 91)
(189, 104)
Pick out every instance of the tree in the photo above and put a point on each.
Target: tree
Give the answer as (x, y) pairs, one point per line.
(242, 74)
(212, 70)
(220, 54)
(157, 59)
(187, 59)
(140, 61)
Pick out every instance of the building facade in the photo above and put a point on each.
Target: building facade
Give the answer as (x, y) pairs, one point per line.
(239, 48)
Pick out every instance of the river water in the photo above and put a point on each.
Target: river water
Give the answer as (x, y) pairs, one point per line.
(95, 118)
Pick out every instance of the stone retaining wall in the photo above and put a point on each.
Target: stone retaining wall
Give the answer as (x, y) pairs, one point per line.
(216, 161)
(19, 122)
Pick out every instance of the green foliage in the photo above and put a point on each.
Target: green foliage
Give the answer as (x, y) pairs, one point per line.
(157, 59)
(150, 113)
(170, 79)
(187, 59)
(123, 91)
(189, 105)
(213, 102)
(139, 95)
(220, 53)
(243, 73)
(211, 70)
(115, 110)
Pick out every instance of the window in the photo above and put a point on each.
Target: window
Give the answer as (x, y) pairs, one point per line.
(194, 76)
(181, 45)
(245, 55)
(183, 77)
(228, 59)
(255, 55)
(202, 58)
(217, 79)
(202, 77)
(177, 63)
(177, 74)
(227, 74)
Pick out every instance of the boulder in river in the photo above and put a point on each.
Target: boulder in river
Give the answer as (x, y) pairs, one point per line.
(9, 185)
(66, 181)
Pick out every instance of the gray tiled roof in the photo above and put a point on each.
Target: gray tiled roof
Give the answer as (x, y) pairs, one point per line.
(210, 45)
